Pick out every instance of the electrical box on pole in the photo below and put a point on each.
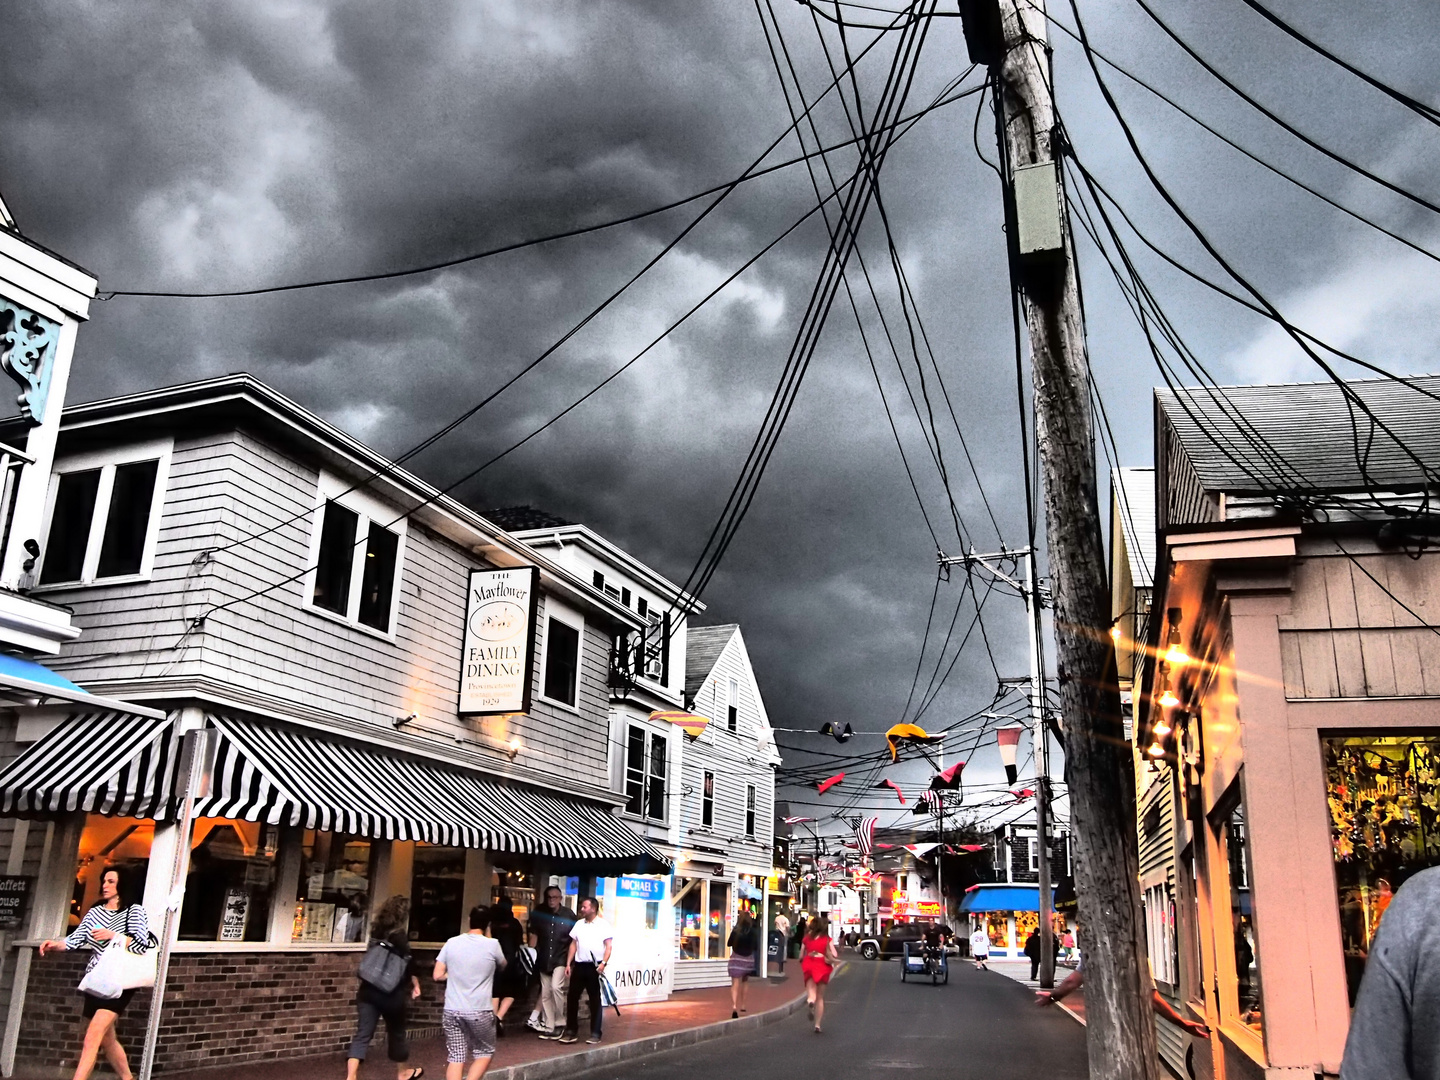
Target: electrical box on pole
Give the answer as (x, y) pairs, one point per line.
(1039, 234)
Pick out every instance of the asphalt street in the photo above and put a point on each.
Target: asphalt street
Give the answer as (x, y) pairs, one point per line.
(982, 1026)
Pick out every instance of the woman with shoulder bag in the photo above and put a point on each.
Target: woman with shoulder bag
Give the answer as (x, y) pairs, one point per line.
(110, 919)
(387, 985)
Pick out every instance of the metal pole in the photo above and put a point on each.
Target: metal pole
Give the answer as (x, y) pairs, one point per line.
(1041, 742)
(193, 775)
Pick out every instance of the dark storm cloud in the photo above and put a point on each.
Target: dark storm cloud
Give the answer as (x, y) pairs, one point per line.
(236, 144)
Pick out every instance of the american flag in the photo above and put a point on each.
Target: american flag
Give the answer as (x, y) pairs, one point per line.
(796, 820)
(865, 835)
(932, 801)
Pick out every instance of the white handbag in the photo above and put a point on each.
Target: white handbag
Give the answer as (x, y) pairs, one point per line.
(119, 969)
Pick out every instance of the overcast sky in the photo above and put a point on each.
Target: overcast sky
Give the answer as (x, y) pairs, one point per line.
(269, 141)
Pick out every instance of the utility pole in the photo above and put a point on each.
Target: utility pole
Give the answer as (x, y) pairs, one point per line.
(1030, 591)
(1010, 37)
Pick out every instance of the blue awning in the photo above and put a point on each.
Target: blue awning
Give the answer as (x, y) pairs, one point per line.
(19, 667)
(23, 681)
(1001, 897)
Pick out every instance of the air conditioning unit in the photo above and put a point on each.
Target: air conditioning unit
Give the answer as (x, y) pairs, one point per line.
(654, 668)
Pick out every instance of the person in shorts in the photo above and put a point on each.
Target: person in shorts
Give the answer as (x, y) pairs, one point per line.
(467, 965)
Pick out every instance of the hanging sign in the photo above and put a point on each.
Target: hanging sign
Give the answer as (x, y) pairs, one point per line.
(499, 641)
(14, 901)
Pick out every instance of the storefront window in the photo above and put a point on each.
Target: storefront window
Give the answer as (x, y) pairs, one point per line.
(333, 901)
(517, 886)
(106, 842)
(997, 925)
(437, 892)
(719, 921)
(1384, 798)
(688, 915)
(1026, 923)
(231, 882)
(1242, 919)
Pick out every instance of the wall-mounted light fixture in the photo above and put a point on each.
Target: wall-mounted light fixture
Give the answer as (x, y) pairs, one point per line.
(1175, 655)
(513, 748)
(401, 721)
(1166, 698)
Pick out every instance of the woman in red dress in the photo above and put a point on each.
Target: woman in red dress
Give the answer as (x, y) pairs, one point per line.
(817, 960)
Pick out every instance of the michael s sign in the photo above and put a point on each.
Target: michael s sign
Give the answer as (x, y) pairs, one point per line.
(499, 643)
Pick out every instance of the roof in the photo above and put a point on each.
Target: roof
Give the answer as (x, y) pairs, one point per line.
(1309, 437)
(1001, 897)
(515, 519)
(703, 646)
(1134, 493)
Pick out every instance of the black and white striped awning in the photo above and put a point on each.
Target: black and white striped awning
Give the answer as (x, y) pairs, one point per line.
(290, 777)
(100, 762)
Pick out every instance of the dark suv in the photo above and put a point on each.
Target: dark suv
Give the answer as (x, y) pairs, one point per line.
(893, 942)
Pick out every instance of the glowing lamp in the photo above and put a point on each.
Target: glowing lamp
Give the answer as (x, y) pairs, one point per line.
(1115, 632)
(1168, 699)
(1161, 728)
(1156, 750)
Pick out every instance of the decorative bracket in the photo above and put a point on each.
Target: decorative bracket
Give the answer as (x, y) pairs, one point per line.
(27, 353)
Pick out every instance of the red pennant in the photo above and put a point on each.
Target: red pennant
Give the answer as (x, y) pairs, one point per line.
(894, 787)
(826, 785)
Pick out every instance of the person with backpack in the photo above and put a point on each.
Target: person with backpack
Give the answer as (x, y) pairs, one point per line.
(388, 984)
(113, 917)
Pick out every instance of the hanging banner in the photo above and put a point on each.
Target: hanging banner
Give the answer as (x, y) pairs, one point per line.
(499, 641)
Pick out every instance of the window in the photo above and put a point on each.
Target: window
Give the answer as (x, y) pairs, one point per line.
(231, 884)
(732, 703)
(1160, 933)
(750, 810)
(1034, 843)
(707, 801)
(625, 597)
(652, 659)
(641, 606)
(718, 928)
(689, 905)
(562, 661)
(598, 580)
(645, 773)
(333, 894)
(356, 557)
(1242, 998)
(437, 892)
(104, 516)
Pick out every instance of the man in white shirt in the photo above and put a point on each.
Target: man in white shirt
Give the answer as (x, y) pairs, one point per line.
(590, 941)
(980, 948)
(467, 965)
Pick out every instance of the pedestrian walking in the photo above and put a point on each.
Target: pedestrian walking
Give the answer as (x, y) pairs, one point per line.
(467, 964)
(373, 1000)
(980, 949)
(1068, 946)
(818, 958)
(113, 917)
(510, 982)
(550, 936)
(1392, 1033)
(744, 941)
(590, 941)
(782, 927)
(1032, 950)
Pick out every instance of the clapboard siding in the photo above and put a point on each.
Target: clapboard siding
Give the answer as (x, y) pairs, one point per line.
(737, 759)
(1347, 637)
(258, 636)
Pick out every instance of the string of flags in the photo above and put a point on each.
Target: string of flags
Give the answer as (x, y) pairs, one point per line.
(839, 733)
(894, 787)
(907, 735)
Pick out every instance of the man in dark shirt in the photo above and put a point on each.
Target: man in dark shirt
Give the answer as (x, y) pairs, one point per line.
(550, 934)
(1394, 1033)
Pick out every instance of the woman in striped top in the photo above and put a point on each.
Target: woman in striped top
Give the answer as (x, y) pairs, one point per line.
(101, 924)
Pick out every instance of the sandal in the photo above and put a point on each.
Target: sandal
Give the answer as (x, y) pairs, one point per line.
(415, 1074)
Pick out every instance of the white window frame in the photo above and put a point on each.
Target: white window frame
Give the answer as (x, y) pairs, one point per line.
(157, 450)
(752, 808)
(558, 612)
(367, 508)
(1034, 842)
(732, 701)
(652, 736)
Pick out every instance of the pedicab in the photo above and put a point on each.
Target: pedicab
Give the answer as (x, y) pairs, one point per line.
(924, 959)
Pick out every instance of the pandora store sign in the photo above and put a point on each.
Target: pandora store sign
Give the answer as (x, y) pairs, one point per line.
(499, 641)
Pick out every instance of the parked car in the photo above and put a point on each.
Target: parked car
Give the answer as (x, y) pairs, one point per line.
(892, 943)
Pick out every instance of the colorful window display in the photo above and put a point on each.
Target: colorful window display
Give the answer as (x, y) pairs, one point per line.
(997, 926)
(1384, 798)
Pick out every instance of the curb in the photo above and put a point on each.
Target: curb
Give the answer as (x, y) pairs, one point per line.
(567, 1064)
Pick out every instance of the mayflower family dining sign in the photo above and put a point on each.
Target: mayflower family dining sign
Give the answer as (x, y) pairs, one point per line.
(499, 641)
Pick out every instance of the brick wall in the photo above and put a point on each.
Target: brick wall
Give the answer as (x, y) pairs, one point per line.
(220, 1009)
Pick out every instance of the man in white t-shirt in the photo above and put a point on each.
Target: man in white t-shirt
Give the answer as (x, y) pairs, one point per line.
(590, 941)
(980, 948)
(467, 965)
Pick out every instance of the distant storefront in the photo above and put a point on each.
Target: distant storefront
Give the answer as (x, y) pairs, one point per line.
(1008, 914)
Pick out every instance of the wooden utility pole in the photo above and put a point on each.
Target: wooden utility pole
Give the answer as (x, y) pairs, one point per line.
(1010, 37)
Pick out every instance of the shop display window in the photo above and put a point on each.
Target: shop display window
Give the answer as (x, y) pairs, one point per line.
(718, 922)
(437, 892)
(106, 843)
(517, 886)
(333, 896)
(1026, 923)
(997, 926)
(1384, 799)
(1247, 987)
(688, 907)
(231, 883)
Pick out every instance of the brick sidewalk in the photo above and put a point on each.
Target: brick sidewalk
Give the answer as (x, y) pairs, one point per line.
(685, 1009)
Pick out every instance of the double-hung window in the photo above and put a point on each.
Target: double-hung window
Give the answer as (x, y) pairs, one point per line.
(562, 661)
(707, 801)
(749, 809)
(645, 772)
(732, 706)
(105, 515)
(356, 556)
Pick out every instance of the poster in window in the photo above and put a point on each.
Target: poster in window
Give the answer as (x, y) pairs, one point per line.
(499, 641)
(234, 915)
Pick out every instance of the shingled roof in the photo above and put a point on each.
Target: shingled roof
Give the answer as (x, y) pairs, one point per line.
(515, 519)
(1309, 437)
(703, 646)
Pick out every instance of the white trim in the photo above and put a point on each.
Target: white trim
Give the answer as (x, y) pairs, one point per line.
(556, 610)
(367, 510)
(159, 451)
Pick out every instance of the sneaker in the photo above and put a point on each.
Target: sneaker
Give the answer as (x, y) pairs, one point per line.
(593, 1039)
(567, 1037)
(536, 1024)
(551, 1033)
